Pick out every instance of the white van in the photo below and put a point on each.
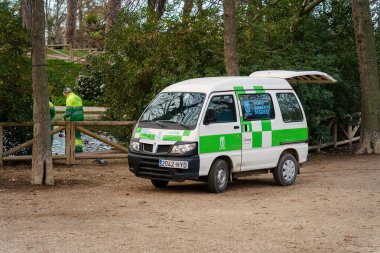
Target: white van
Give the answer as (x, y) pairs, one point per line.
(220, 128)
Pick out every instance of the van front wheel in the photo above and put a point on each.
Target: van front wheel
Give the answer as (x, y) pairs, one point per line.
(218, 176)
(286, 171)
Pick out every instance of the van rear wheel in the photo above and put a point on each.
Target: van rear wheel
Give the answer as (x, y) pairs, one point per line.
(218, 176)
(286, 171)
(159, 183)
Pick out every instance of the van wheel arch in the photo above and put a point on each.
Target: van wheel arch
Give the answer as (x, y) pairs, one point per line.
(228, 160)
(290, 151)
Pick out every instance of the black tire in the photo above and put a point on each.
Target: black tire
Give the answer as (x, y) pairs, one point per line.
(159, 183)
(286, 171)
(218, 176)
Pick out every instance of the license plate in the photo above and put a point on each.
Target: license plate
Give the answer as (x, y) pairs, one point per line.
(173, 164)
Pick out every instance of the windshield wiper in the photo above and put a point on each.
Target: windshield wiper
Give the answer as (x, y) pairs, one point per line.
(174, 122)
(158, 123)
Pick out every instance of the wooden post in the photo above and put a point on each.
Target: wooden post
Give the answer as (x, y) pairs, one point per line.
(72, 143)
(350, 135)
(319, 146)
(335, 132)
(1, 145)
(68, 143)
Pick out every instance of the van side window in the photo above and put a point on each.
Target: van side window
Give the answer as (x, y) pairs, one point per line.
(257, 106)
(290, 108)
(222, 109)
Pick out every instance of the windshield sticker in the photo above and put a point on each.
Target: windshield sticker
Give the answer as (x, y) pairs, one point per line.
(261, 107)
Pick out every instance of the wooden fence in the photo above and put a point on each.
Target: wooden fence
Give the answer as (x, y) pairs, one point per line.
(70, 127)
(349, 132)
(70, 57)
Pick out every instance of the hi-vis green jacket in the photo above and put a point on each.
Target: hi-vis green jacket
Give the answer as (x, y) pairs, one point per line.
(74, 108)
(52, 110)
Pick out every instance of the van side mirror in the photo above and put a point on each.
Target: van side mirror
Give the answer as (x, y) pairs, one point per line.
(210, 116)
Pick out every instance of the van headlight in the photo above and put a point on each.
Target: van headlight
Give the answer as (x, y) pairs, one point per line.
(134, 146)
(183, 148)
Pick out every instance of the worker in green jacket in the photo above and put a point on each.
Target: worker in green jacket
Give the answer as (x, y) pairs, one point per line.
(74, 112)
(52, 115)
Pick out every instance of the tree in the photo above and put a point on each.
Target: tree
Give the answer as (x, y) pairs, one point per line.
(156, 9)
(305, 9)
(55, 17)
(187, 7)
(113, 8)
(369, 76)
(72, 6)
(230, 54)
(42, 166)
(26, 12)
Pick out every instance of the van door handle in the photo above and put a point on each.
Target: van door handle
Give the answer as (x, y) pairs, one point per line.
(236, 127)
(246, 128)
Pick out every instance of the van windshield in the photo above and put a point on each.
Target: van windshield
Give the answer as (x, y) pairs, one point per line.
(174, 110)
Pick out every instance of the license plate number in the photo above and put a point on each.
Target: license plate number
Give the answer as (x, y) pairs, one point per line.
(173, 164)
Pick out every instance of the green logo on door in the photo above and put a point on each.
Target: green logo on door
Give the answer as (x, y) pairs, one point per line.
(222, 143)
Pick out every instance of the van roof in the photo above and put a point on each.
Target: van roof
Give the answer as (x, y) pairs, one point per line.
(215, 84)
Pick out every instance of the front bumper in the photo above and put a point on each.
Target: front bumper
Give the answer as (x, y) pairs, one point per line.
(146, 166)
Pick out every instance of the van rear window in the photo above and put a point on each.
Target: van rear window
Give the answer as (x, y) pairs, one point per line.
(290, 108)
(257, 106)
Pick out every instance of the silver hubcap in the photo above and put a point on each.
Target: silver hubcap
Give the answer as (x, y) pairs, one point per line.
(288, 170)
(221, 177)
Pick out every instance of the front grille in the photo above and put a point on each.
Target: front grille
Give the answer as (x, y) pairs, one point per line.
(148, 147)
(163, 148)
(149, 168)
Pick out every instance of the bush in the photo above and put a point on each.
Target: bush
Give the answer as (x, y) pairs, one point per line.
(15, 67)
(90, 84)
(15, 75)
(61, 74)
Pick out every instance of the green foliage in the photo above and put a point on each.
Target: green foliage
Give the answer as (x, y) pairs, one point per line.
(323, 41)
(143, 56)
(61, 74)
(15, 68)
(15, 74)
(95, 28)
(90, 84)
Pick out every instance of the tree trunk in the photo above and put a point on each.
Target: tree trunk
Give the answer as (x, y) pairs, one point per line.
(305, 9)
(199, 7)
(113, 8)
(72, 6)
(230, 55)
(187, 7)
(369, 76)
(26, 12)
(42, 166)
(161, 5)
(80, 31)
(156, 9)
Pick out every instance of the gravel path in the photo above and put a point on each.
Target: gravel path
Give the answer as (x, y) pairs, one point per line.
(333, 207)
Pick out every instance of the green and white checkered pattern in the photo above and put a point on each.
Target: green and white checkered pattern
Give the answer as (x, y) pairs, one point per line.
(164, 135)
(263, 134)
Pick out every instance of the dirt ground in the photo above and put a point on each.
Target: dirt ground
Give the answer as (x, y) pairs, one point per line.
(334, 206)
